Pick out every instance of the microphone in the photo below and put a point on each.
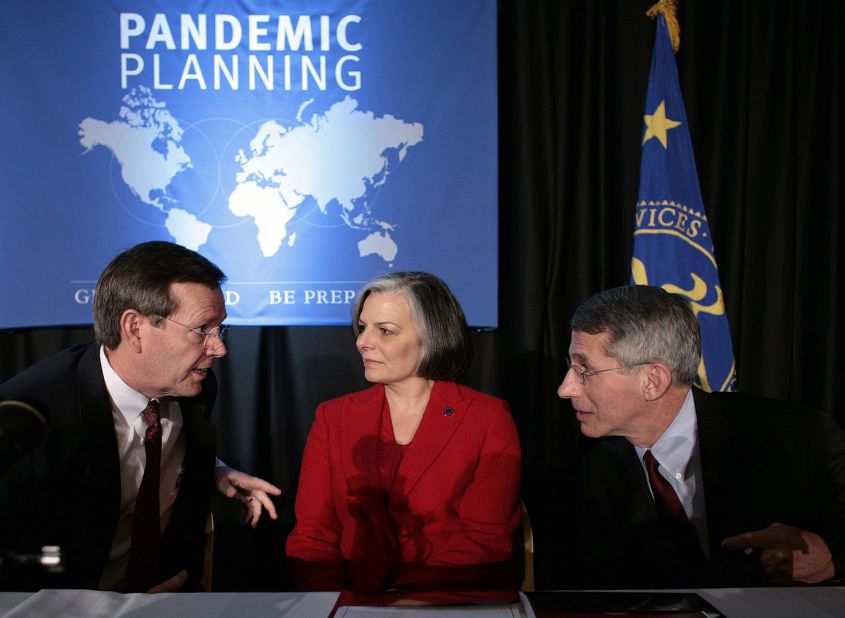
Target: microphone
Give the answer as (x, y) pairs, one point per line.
(22, 427)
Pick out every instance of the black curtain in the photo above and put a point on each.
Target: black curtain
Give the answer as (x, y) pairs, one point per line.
(762, 84)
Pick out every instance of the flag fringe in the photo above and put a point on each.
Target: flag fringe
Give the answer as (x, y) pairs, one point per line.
(669, 9)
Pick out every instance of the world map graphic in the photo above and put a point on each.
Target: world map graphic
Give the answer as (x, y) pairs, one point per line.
(336, 160)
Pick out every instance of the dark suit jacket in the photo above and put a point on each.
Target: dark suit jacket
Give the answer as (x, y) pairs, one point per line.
(763, 461)
(451, 512)
(67, 492)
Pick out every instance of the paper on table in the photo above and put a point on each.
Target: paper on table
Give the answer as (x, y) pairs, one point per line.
(512, 610)
(99, 604)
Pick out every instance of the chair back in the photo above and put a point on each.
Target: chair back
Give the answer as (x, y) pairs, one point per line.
(208, 557)
(527, 551)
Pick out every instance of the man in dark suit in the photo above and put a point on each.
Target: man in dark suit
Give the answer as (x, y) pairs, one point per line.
(146, 384)
(687, 488)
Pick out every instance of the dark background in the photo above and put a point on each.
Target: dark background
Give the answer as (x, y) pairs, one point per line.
(762, 83)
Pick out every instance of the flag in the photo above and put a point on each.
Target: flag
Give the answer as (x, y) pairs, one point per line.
(673, 247)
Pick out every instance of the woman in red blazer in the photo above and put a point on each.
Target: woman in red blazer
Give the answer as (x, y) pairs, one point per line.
(413, 483)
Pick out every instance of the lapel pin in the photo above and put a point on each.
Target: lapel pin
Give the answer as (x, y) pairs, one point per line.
(448, 411)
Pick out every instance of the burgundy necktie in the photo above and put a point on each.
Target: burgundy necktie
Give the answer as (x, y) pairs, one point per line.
(142, 572)
(665, 499)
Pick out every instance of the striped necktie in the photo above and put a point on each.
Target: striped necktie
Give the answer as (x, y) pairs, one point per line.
(665, 499)
(142, 572)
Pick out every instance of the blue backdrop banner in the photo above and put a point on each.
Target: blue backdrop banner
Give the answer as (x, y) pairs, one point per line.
(304, 147)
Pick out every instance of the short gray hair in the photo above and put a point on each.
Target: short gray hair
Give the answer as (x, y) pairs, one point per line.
(442, 326)
(645, 324)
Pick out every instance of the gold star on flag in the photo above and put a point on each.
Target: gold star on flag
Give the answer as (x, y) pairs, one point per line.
(658, 124)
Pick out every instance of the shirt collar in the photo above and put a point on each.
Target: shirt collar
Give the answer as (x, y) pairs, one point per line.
(674, 448)
(130, 403)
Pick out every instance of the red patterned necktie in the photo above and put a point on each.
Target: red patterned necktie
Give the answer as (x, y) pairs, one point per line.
(665, 499)
(142, 572)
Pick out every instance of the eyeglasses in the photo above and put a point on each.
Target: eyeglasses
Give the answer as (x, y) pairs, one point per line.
(208, 336)
(583, 373)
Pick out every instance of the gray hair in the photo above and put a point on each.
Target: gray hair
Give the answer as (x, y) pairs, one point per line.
(140, 279)
(442, 326)
(645, 324)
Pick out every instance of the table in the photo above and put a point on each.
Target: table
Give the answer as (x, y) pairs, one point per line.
(803, 602)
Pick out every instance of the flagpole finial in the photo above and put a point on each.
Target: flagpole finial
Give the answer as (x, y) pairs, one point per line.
(669, 9)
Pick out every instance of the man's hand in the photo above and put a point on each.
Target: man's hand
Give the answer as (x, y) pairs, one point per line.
(788, 555)
(250, 490)
(174, 584)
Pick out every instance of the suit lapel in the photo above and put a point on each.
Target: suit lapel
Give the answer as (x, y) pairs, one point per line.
(642, 506)
(711, 442)
(444, 413)
(95, 410)
(360, 424)
(199, 432)
(624, 483)
(102, 464)
(723, 450)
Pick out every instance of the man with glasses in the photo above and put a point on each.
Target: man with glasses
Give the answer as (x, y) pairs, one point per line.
(687, 488)
(141, 394)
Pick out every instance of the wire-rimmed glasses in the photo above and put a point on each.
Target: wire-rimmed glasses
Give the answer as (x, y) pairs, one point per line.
(583, 373)
(218, 332)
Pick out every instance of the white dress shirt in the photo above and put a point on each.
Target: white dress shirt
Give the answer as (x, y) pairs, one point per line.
(677, 454)
(129, 425)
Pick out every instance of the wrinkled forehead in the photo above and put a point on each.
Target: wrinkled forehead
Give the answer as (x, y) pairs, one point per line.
(587, 347)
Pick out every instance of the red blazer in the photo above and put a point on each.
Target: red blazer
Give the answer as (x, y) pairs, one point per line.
(452, 510)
